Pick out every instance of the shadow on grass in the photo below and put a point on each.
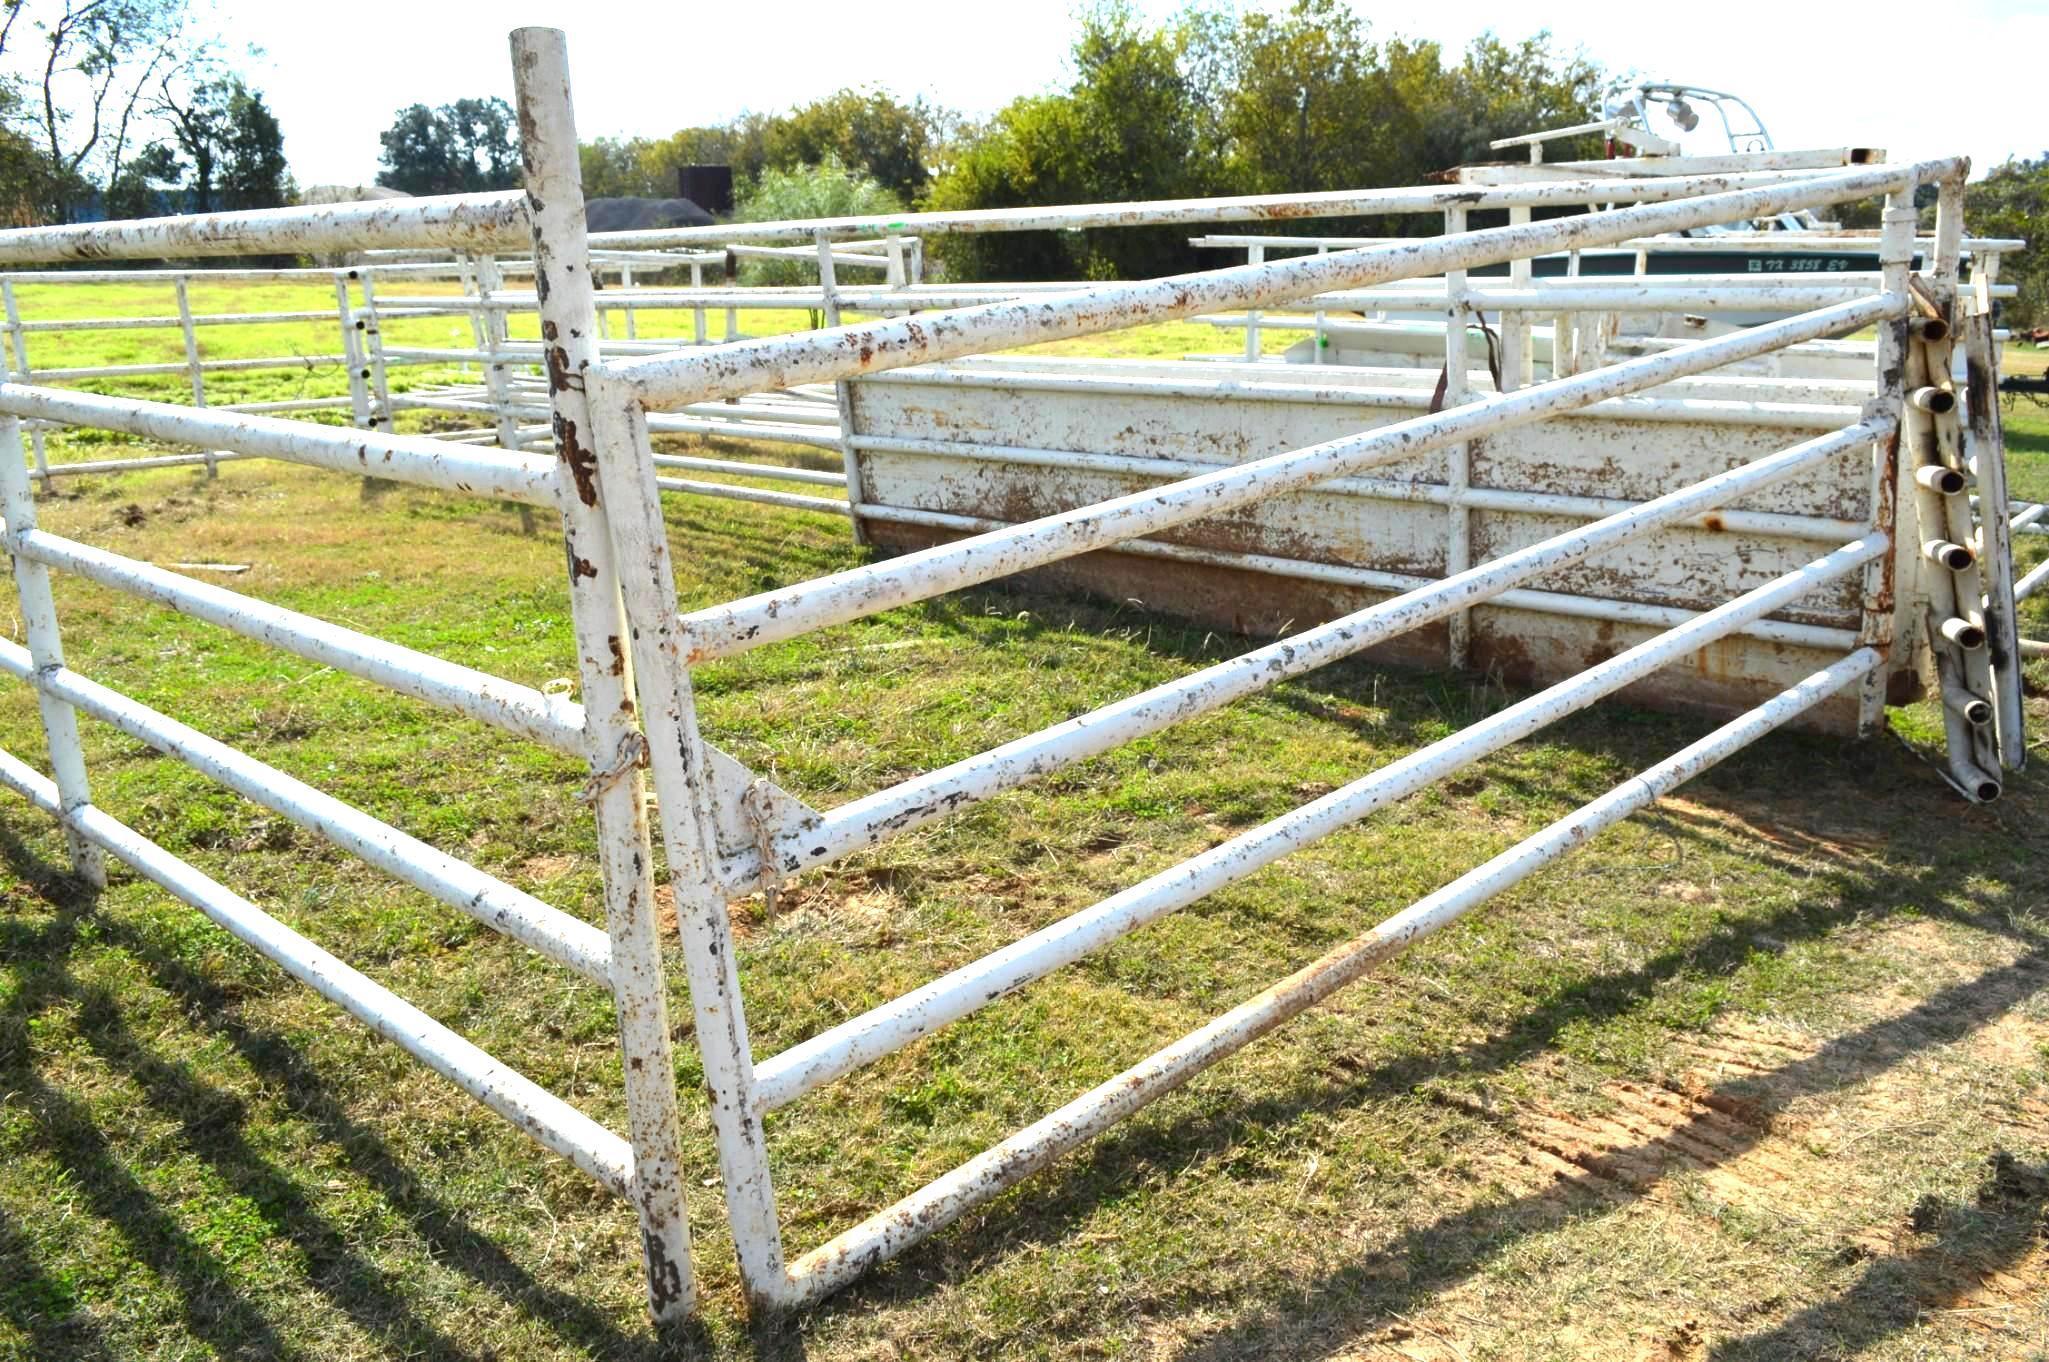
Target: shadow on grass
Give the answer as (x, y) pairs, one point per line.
(1348, 1301)
(1917, 875)
(212, 1128)
(1432, 1258)
(1997, 1229)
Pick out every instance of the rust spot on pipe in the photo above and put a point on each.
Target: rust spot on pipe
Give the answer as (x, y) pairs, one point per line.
(618, 654)
(664, 1278)
(583, 463)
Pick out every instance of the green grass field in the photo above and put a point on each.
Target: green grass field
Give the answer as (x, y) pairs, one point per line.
(1760, 1075)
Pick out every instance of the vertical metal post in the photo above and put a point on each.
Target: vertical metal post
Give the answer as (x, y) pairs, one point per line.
(373, 343)
(843, 394)
(1936, 355)
(1322, 342)
(626, 287)
(1889, 580)
(496, 382)
(1517, 359)
(562, 280)
(46, 651)
(1988, 466)
(697, 313)
(668, 710)
(352, 352)
(1458, 547)
(23, 374)
(470, 291)
(1254, 255)
(192, 368)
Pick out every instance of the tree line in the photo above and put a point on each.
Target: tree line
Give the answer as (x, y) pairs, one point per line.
(1207, 102)
(127, 108)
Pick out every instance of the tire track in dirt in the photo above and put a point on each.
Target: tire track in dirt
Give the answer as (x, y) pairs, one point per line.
(1812, 1132)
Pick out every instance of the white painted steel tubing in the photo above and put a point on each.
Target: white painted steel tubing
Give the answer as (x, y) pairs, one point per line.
(789, 501)
(554, 933)
(2029, 584)
(943, 1201)
(405, 458)
(545, 719)
(211, 366)
(814, 476)
(175, 323)
(890, 1027)
(155, 461)
(723, 631)
(1246, 208)
(1771, 524)
(1372, 579)
(1723, 411)
(539, 1114)
(468, 222)
(779, 362)
(1618, 299)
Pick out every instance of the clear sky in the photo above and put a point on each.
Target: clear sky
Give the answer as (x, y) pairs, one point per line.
(1918, 79)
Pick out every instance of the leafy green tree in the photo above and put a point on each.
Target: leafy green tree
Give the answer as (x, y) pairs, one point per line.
(1305, 107)
(1135, 124)
(460, 148)
(1269, 103)
(2013, 201)
(867, 130)
(232, 148)
(826, 190)
(76, 81)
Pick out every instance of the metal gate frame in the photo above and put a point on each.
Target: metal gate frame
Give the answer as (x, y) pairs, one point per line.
(1928, 603)
(603, 411)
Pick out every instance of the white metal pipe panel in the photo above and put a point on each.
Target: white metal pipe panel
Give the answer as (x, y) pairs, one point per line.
(456, 221)
(752, 366)
(945, 1200)
(551, 721)
(554, 933)
(534, 1111)
(895, 1024)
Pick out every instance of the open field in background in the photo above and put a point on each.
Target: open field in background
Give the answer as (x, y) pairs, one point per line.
(1759, 1076)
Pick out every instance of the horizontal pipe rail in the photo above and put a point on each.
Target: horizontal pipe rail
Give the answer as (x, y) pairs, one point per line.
(567, 940)
(754, 366)
(176, 323)
(726, 491)
(1189, 212)
(945, 1200)
(895, 1024)
(540, 1114)
(550, 721)
(1232, 388)
(1372, 579)
(726, 630)
(1767, 524)
(231, 366)
(2032, 582)
(404, 458)
(463, 222)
